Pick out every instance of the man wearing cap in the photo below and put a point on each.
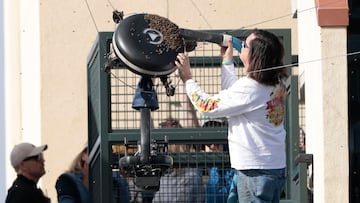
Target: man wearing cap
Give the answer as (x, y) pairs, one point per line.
(28, 162)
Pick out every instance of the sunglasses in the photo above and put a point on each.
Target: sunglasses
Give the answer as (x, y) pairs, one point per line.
(38, 157)
(245, 45)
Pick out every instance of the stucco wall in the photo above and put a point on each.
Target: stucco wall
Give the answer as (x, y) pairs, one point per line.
(323, 63)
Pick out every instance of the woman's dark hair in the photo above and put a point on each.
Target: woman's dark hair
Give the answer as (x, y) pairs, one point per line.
(266, 52)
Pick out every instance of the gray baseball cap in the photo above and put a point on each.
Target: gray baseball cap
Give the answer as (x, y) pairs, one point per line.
(24, 150)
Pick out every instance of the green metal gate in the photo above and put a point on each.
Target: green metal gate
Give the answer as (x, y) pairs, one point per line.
(112, 122)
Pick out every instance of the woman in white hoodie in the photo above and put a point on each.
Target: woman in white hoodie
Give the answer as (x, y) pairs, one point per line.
(255, 108)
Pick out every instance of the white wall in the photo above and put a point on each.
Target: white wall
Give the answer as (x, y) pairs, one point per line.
(2, 107)
(322, 59)
(21, 77)
(12, 82)
(30, 71)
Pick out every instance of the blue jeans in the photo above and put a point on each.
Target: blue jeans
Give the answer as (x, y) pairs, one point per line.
(233, 196)
(260, 185)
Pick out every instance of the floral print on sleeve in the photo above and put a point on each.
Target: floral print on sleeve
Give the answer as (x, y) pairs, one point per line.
(204, 104)
(276, 106)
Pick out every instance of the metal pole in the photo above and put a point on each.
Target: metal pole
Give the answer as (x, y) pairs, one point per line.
(145, 135)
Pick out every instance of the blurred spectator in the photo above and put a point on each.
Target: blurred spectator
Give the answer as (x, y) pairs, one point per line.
(73, 185)
(220, 181)
(182, 184)
(302, 141)
(120, 188)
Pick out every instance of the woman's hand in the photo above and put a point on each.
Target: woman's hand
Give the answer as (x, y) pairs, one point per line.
(183, 64)
(227, 52)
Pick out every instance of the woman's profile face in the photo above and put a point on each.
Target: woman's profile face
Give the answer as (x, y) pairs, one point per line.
(244, 55)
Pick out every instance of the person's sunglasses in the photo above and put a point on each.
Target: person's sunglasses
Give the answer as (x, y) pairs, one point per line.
(245, 45)
(38, 157)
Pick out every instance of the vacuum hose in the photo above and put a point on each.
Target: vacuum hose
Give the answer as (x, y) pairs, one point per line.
(221, 39)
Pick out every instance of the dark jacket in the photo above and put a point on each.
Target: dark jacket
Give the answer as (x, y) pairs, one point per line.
(24, 190)
(71, 189)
